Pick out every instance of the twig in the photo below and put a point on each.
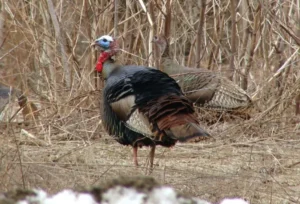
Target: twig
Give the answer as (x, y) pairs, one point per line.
(151, 33)
(18, 152)
(200, 32)
(253, 42)
(116, 19)
(233, 38)
(168, 20)
(279, 71)
(61, 42)
(11, 50)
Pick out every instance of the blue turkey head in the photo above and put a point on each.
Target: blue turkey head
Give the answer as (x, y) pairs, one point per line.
(104, 43)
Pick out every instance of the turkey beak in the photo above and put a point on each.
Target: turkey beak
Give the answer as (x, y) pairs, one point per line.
(96, 46)
(93, 45)
(154, 39)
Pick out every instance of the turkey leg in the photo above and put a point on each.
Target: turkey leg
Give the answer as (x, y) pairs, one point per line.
(152, 153)
(135, 160)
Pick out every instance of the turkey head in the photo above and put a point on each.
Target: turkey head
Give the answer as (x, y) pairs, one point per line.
(106, 43)
(162, 44)
(108, 46)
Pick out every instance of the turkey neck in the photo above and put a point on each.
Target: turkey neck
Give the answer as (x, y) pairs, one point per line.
(171, 67)
(166, 51)
(167, 65)
(108, 66)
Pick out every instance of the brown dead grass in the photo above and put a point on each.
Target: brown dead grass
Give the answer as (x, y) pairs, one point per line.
(256, 160)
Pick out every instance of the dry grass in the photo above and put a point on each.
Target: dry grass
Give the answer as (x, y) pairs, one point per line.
(257, 159)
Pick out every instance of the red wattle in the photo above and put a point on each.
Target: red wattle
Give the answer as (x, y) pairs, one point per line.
(102, 58)
(99, 66)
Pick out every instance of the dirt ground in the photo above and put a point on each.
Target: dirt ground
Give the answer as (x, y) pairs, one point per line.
(256, 159)
(46, 52)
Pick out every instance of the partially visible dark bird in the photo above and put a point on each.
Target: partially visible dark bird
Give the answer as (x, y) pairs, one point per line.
(5, 94)
(8, 94)
(143, 106)
(203, 87)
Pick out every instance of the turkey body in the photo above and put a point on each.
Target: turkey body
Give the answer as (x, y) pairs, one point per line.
(143, 106)
(8, 94)
(5, 93)
(125, 83)
(206, 89)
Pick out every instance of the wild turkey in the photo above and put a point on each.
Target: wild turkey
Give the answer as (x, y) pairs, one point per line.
(202, 86)
(29, 109)
(5, 93)
(137, 111)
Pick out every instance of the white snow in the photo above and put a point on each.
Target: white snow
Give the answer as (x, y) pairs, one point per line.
(164, 195)
(68, 196)
(161, 195)
(120, 195)
(65, 196)
(233, 201)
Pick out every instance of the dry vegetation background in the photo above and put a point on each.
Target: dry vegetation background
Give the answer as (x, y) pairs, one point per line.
(45, 51)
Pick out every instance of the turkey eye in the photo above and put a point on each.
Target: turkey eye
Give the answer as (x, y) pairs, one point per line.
(104, 40)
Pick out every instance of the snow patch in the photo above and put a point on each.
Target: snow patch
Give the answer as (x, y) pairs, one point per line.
(161, 195)
(233, 201)
(164, 195)
(121, 195)
(65, 196)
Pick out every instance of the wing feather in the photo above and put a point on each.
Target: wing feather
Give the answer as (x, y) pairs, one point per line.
(124, 107)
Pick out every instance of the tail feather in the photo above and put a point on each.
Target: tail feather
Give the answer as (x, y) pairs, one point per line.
(173, 116)
(189, 132)
(183, 127)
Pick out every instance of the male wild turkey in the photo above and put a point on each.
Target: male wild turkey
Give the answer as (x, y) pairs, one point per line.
(143, 106)
(203, 87)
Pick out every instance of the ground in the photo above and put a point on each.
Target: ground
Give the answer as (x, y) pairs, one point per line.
(257, 160)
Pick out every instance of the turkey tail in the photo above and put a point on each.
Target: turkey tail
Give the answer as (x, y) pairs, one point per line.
(189, 132)
(229, 96)
(173, 116)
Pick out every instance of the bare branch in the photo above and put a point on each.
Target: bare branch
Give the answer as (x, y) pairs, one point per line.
(62, 43)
